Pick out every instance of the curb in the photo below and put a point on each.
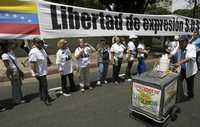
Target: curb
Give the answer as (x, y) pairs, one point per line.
(54, 70)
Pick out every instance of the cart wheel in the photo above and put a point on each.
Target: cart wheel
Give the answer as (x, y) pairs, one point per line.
(174, 112)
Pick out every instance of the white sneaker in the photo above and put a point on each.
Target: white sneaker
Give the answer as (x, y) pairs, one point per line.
(116, 83)
(98, 83)
(82, 90)
(66, 95)
(129, 80)
(105, 81)
(60, 92)
(90, 87)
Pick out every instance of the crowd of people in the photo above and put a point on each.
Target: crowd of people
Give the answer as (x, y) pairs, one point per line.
(182, 53)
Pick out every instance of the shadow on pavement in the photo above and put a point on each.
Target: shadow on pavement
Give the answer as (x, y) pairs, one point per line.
(8, 103)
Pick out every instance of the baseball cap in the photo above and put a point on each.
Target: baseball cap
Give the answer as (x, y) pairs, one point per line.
(133, 36)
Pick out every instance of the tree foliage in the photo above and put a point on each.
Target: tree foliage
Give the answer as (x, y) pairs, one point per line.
(95, 4)
(157, 10)
(130, 6)
(184, 12)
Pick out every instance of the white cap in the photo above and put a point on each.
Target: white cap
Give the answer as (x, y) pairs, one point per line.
(133, 36)
(176, 37)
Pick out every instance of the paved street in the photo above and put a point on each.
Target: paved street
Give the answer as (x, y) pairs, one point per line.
(105, 106)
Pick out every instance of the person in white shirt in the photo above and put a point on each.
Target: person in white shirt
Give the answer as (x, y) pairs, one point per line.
(39, 69)
(117, 53)
(130, 56)
(82, 54)
(65, 66)
(172, 49)
(14, 73)
(188, 65)
(141, 67)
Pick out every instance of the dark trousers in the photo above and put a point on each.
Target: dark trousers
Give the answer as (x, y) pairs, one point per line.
(198, 60)
(128, 69)
(190, 86)
(66, 89)
(116, 70)
(43, 87)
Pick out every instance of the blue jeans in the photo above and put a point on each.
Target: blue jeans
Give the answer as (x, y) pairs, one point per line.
(16, 84)
(102, 71)
(141, 65)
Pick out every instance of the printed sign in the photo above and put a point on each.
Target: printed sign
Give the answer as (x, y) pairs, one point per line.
(25, 19)
(146, 98)
(57, 20)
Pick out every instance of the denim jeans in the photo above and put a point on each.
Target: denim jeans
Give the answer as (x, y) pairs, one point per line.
(102, 71)
(16, 84)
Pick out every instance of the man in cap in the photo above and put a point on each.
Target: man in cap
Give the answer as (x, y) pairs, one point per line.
(39, 69)
(188, 65)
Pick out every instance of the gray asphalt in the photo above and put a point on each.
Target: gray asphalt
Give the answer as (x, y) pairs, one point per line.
(105, 106)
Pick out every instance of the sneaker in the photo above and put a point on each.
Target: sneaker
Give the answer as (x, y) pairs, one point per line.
(47, 103)
(82, 90)
(60, 92)
(20, 102)
(98, 83)
(2, 108)
(129, 80)
(90, 87)
(66, 94)
(105, 81)
(116, 83)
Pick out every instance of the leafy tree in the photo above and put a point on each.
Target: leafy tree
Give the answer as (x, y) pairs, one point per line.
(130, 6)
(95, 4)
(195, 9)
(157, 10)
(183, 12)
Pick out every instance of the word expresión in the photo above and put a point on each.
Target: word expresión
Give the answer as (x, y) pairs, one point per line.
(67, 18)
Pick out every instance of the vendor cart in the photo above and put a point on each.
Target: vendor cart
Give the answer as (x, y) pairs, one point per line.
(154, 95)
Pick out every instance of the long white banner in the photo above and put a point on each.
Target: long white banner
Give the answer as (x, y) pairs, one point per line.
(58, 20)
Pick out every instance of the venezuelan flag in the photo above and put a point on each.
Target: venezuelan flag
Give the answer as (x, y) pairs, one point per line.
(18, 17)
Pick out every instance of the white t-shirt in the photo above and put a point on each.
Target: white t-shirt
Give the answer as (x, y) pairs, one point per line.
(132, 49)
(40, 57)
(8, 56)
(84, 59)
(141, 46)
(64, 61)
(191, 66)
(118, 50)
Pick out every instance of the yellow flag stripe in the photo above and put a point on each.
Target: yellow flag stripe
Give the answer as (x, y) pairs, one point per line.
(23, 7)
